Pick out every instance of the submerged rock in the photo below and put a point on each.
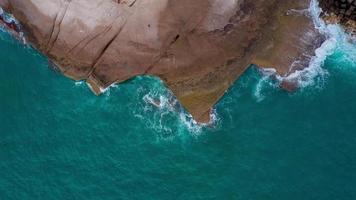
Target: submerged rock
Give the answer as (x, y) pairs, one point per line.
(199, 48)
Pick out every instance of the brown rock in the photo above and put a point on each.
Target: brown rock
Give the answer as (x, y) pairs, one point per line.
(4, 4)
(199, 48)
(289, 85)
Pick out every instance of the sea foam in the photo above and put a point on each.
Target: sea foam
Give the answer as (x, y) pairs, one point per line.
(315, 75)
(165, 107)
(336, 37)
(10, 19)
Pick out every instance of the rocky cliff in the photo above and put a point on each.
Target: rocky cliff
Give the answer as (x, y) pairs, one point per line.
(340, 11)
(197, 47)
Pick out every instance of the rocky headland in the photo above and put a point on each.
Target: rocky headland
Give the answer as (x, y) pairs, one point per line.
(198, 48)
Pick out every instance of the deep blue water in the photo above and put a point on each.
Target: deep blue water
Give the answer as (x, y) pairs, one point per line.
(59, 141)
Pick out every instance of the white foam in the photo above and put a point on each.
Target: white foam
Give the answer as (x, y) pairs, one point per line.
(79, 83)
(90, 87)
(8, 18)
(308, 76)
(105, 91)
(166, 106)
(314, 74)
(267, 73)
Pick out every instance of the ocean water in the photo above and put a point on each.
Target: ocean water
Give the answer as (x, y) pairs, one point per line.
(59, 141)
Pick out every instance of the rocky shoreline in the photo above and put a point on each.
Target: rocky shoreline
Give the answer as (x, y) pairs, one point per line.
(340, 12)
(198, 48)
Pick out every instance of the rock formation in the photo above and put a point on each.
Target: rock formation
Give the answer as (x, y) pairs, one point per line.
(340, 11)
(197, 47)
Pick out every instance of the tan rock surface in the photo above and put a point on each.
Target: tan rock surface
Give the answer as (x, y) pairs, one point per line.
(198, 47)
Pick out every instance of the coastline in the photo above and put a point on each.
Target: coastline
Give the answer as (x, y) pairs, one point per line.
(200, 90)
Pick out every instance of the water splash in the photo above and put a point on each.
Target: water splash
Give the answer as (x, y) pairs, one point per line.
(79, 83)
(158, 108)
(11, 25)
(266, 81)
(315, 75)
(166, 108)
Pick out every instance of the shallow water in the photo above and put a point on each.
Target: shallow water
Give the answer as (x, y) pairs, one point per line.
(59, 141)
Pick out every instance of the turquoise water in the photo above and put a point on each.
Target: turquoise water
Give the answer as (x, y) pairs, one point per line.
(59, 141)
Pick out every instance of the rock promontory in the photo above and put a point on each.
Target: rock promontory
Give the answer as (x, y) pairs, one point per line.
(197, 47)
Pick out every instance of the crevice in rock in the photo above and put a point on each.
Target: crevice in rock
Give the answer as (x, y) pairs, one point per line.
(106, 47)
(133, 3)
(88, 39)
(52, 30)
(162, 54)
(57, 25)
(175, 39)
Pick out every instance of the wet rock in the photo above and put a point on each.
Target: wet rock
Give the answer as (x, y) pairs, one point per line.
(289, 85)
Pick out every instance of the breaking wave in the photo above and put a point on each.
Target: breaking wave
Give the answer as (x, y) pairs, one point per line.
(10, 24)
(315, 75)
(157, 107)
(166, 108)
